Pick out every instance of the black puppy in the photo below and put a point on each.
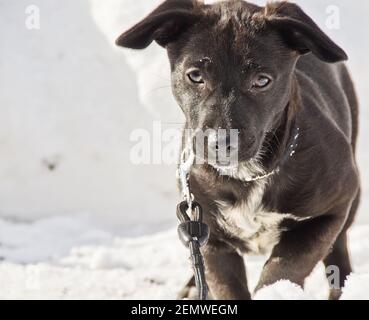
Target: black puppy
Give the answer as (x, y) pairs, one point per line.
(273, 75)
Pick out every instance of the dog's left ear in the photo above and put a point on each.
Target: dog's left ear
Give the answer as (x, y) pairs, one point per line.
(301, 33)
(163, 25)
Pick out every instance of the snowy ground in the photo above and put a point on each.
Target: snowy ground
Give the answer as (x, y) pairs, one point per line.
(69, 258)
(96, 225)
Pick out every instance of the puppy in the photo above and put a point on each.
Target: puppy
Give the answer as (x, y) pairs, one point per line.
(273, 76)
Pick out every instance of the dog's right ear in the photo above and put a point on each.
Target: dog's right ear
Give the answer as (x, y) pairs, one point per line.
(163, 25)
(301, 33)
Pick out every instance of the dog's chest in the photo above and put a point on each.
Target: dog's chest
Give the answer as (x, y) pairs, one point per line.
(250, 223)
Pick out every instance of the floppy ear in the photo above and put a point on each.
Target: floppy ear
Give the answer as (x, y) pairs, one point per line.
(301, 33)
(163, 25)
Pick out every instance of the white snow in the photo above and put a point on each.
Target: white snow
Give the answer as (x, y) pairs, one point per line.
(356, 287)
(97, 225)
(63, 257)
(71, 258)
(282, 290)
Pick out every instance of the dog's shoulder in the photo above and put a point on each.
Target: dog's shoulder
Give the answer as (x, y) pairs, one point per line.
(327, 96)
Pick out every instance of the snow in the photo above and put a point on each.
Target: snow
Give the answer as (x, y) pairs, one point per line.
(282, 290)
(70, 99)
(356, 287)
(71, 258)
(77, 218)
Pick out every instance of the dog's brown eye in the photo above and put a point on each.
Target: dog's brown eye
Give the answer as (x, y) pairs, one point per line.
(195, 76)
(261, 82)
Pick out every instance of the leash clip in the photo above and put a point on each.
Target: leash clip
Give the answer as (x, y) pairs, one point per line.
(194, 234)
(192, 230)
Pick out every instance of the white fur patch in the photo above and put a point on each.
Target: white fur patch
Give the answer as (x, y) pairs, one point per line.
(249, 222)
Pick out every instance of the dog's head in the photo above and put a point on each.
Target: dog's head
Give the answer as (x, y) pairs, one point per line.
(232, 62)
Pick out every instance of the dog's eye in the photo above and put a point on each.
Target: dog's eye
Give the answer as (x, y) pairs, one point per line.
(261, 82)
(195, 76)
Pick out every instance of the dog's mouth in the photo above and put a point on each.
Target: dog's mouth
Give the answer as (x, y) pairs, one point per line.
(241, 169)
(227, 170)
(245, 170)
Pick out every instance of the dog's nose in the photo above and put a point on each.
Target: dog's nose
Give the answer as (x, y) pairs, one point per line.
(226, 144)
(223, 148)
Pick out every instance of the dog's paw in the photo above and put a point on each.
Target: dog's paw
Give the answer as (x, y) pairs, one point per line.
(189, 291)
(335, 294)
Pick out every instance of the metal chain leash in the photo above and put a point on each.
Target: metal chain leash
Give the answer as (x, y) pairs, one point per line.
(193, 233)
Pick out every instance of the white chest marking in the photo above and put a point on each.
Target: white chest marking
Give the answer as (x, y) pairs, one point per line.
(249, 222)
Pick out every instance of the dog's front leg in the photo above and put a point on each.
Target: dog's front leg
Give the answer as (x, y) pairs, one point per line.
(300, 249)
(225, 272)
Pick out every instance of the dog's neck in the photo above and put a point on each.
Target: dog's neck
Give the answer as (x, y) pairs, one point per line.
(280, 142)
